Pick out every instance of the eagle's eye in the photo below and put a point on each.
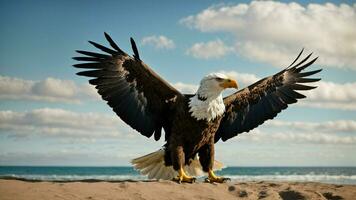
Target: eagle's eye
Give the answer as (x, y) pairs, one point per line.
(219, 79)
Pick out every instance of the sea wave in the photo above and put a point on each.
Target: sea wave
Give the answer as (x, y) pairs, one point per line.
(73, 177)
(336, 179)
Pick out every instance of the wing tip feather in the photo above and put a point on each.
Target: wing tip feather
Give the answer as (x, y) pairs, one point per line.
(79, 73)
(295, 60)
(134, 49)
(92, 42)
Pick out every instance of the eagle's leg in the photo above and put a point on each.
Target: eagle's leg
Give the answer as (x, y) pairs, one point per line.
(206, 158)
(212, 178)
(178, 163)
(183, 177)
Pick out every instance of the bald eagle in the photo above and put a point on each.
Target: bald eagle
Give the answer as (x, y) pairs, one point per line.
(192, 123)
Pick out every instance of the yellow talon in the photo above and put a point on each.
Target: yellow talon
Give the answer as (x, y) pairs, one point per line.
(212, 178)
(183, 177)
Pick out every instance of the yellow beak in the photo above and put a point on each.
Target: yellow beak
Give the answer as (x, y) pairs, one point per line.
(229, 83)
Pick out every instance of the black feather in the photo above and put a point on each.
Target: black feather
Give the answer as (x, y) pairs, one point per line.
(101, 47)
(308, 73)
(291, 93)
(307, 80)
(112, 43)
(108, 66)
(306, 65)
(134, 49)
(301, 62)
(302, 87)
(278, 101)
(287, 99)
(296, 58)
(87, 59)
(88, 65)
(98, 73)
(107, 81)
(157, 133)
(98, 55)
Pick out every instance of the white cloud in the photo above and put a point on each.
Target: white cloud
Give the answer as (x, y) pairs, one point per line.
(297, 137)
(243, 79)
(61, 123)
(49, 89)
(339, 132)
(273, 32)
(159, 42)
(65, 157)
(331, 95)
(186, 88)
(208, 50)
(325, 127)
(329, 105)
(330, 91)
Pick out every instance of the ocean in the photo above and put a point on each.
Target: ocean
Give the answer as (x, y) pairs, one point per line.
(335, 175)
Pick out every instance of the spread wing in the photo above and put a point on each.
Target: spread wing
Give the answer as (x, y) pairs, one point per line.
(135, 92)
(263, 100)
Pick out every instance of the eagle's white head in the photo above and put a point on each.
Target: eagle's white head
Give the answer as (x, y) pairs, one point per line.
(207, 103)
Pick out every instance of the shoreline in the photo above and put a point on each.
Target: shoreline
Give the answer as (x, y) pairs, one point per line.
(148, 189)
(199, 180)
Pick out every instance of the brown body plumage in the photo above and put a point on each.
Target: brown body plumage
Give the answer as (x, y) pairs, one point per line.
(189, 136)
(148, 103)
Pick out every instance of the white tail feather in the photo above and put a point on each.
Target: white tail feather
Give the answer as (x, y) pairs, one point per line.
(153, 166)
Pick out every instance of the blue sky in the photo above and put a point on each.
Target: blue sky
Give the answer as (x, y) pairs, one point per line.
(50, 116)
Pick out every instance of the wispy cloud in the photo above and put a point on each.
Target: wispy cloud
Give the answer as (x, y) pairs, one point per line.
(61, 123)
(273, 32)
(243, 79)
(159, 42)
(263, 136)
(325, 127)
(87, 126)
(339, 132)
(49, 90)
(186, 88)
(65, 157)
(332, 95)
(209, 50)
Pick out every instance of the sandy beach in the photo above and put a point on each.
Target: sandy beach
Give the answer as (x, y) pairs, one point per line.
(90, 190)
